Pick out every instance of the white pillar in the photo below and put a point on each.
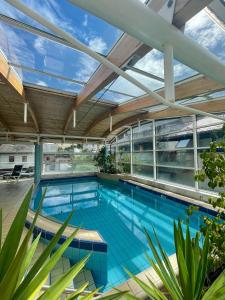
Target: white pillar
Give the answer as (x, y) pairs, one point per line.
(131, 151)
(110, 123)
(74, 118)
(169, 73)
(116, 153)
(154, 150)
(25, 112)
(195, 145)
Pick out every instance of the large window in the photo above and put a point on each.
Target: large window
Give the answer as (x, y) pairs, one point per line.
(174, 150)
(69, 158)
(142, 153)
(208, 130)
(123, 152)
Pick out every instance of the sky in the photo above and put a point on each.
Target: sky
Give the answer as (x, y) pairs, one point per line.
(36, 52)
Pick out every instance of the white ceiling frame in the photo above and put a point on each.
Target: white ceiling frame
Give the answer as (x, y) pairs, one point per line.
(46, 135)
(140, 11)
(156, 32)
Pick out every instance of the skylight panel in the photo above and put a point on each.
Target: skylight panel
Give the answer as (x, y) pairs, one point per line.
(203, 98)
(202, 29)
(182, 71)
(112, 97)
(48, 82)
(124, 86)
(88, 29)
(152, 62)
(29, 50)
(10, 11)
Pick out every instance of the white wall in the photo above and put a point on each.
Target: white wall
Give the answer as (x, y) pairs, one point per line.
(5, 164)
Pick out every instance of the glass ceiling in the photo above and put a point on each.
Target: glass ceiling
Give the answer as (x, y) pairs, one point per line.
(219, 95)
(38, 53)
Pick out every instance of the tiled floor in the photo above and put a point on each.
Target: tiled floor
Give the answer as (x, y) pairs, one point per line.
(11, 196)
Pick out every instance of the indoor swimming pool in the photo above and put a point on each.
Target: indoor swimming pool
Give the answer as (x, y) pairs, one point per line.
(119, 211)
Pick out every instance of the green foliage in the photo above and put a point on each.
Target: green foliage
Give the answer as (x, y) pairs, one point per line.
(192, 265)
(20, 281)
(213, 171)
(105, 161)
(124, 162)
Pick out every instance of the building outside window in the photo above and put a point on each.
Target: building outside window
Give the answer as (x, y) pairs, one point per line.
(24, 158)
(11, 158)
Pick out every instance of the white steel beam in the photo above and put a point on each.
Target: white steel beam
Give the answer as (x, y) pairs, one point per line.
(74, 118)
(25, 112)
(144, 24)
(110, 123)
(26, 10)
(144, 73)
(169, 73)
(46, 135)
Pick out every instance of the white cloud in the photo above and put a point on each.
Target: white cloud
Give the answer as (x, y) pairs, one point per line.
(15, 47)
(207, 33)
(40, 82)
(87, 66)
(39, 45)
(152, 62)
(97, 44)
(85, 22)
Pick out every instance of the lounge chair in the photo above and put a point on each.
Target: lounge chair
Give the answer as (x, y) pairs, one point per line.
(28, 173)
(15, 174)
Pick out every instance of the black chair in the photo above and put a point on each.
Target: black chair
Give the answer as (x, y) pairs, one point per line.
(15, 174)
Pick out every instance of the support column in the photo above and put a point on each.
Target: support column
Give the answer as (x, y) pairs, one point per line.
(154, 150)
(116, 153)
(37, 162)
(195, 145)
(169, 73)
(131, 151)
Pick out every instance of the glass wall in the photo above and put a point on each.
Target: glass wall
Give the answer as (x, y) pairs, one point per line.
(174, 150)
(208, 130)
(142, 149)
(68, 158)
(123, 152)
(167, 150)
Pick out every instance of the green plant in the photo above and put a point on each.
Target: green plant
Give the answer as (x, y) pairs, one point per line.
(105, 161)
(192, 262)
(213, 171)
(19, 281)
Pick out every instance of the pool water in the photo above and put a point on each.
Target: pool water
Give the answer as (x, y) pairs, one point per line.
(119, 212)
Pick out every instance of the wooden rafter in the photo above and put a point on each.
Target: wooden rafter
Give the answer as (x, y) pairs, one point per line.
(212, 106)
(127, 47)
(186, 89)
(4, 123)
(10, 77)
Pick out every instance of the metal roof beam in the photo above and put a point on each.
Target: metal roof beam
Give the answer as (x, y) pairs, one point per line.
(155, 32)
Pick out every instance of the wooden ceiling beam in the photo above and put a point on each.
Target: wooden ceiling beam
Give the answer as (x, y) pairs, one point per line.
(186, 89)
(4, 123)
(10, 77)
(212, 106)
(128, 46)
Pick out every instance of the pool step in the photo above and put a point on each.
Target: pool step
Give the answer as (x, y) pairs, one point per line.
(40, 248)
(62, 266)
(83, 276)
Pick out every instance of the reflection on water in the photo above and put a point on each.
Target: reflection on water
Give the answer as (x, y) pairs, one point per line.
(120, 213)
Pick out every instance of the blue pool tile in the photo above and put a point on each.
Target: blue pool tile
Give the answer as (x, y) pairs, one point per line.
(119, 213)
